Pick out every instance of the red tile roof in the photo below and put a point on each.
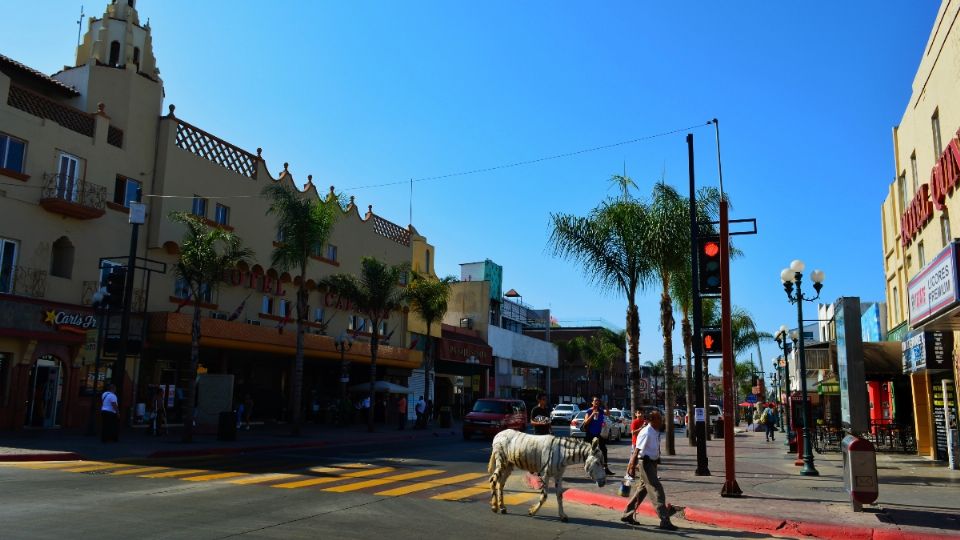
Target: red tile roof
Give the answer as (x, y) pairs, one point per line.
(54, 84)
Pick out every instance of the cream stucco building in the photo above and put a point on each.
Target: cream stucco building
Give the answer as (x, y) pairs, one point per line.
(920, 217)
(77, 149)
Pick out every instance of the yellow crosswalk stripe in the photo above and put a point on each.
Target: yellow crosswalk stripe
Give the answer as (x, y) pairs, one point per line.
(430, 484)
(51, 464)
(139, 470)
(519, 498)
(171, 474)
(381, 481)
(100, 467)
(465, 493)
(263, 478)
(215, 476)
(331, 479)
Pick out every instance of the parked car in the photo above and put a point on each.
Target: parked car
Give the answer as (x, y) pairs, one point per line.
(621, 418)
(576, 426)
(491, 416)
(563, 413)
(679, 417)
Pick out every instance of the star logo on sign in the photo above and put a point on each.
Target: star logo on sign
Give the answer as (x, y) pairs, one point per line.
(50, 317)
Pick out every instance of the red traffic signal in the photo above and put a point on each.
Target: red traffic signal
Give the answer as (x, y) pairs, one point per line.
(712, 341)
(709, 265)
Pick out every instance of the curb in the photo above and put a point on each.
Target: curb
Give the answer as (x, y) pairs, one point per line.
(48, 456)
(752, 523)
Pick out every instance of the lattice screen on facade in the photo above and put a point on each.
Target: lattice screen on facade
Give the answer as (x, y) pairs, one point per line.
(391, 230)
(211, 148)
(115, 136)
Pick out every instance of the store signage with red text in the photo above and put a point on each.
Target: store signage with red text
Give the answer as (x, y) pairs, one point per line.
(78, 323)
(934, 288)
(255, 280)
(944, 178)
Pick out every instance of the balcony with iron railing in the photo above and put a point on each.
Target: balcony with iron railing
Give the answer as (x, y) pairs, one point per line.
(26, 281)
(72, 197)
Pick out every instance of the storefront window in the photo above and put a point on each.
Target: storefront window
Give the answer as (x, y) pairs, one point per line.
(90, 383)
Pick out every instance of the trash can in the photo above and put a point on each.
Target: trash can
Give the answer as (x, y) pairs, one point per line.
(227, 427)
(446, 417)
(718, 428)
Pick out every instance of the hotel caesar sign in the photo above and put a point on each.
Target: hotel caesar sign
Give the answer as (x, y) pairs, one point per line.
(943, 180)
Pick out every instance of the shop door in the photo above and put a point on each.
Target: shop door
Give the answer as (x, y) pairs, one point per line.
(44, 393)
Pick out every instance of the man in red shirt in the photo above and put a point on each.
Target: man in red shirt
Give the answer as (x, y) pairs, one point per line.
(635, 426)
(402, 412)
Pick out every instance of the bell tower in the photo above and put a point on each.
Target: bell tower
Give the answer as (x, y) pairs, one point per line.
(118, 40)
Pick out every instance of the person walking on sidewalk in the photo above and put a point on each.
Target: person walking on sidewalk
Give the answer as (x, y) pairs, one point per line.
(593, 428)
(420, 408)
(769, 417)
(109, 415)
(635, 426)
(402, 412)
(647, 452)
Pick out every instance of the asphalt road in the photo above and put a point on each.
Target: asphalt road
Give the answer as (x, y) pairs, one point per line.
(427, 489)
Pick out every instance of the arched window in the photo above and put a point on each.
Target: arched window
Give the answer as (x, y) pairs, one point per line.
(945, 228)
(136, 57)
(61, 258)
(114, 53)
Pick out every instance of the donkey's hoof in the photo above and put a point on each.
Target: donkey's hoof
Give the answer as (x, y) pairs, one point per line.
(503, 510)
(564, 519)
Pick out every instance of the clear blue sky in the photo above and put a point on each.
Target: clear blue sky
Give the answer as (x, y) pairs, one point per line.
(367, 93)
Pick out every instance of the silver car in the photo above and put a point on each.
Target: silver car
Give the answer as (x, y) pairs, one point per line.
(563, 413)
(576, 426)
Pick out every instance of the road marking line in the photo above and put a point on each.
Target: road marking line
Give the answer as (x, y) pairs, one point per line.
(171, 474)
(430, 484)
(52, 465)
(139, 470)
(331, 479)
(465, 493)
(215, 476)
(100, 467)
(259, 479)
(381, 481)
(519, 498)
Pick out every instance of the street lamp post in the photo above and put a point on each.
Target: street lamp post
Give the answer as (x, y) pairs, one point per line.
(777, 381)
(792, 277)
(343, 343)
(781, 338)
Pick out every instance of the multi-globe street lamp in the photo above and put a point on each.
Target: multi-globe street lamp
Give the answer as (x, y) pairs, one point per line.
(784, 363)
(792, 278)
(776, 381)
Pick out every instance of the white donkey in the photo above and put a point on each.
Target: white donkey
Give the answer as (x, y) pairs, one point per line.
(545, 455)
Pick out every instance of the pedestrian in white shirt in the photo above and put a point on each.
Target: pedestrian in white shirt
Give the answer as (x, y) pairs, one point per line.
(109, 415)
(647, 452)
(420, 409)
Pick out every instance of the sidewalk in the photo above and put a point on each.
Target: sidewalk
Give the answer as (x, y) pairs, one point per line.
(135, 443)
(918, 498)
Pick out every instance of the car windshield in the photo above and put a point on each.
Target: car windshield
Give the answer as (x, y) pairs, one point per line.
(490, 406)
(564, 408)
(615, 414)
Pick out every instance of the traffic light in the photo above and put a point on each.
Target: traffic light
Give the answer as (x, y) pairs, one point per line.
(711, 340)
(709, 264)
(115, 283)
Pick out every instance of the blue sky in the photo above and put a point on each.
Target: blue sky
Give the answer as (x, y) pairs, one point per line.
(368, 93)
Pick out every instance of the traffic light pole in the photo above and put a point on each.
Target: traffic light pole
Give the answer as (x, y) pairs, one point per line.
(119, 373)
(730, 487)
(700, 432)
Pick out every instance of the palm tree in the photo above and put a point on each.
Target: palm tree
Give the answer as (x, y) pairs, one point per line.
(374, 294)
(428, 296)
(682, 290)
(667, 244)
(303, 226)
(607, 245)
(655, 370)
(571, 353)
(206, 255)
(598, 353)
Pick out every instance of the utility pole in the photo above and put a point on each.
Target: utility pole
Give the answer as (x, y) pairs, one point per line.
(700, 410)
(137, 217)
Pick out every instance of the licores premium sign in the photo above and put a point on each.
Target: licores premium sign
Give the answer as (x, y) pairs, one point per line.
(934, 289)
(944, 178)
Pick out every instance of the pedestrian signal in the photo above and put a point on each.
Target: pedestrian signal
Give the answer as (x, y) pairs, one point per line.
(712, 341)
(709, 265)
(115, 283)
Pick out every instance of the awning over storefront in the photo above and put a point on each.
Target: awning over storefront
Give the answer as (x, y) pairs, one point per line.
(463, 346)
(381, 386)
(829, 387)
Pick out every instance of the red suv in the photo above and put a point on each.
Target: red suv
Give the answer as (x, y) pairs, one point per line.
(491, 416)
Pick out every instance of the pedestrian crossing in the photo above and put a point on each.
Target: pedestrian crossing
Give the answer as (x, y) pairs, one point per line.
(382, 481)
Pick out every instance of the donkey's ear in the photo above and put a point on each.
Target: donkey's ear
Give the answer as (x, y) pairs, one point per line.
(595, 443)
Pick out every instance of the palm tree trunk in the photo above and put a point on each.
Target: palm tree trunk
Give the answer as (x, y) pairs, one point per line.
(427, 361)
(374, 345)
(633, 335)
(666, 323)
(190, 389)
(687, 332)
(298, 359)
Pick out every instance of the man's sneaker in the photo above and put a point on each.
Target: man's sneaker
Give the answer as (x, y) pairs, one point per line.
(666, 525)
(629, 520)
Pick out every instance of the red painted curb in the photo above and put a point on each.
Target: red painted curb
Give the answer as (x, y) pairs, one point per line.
(743, 522)
(897, 534)
(606, 501)
(60, 456)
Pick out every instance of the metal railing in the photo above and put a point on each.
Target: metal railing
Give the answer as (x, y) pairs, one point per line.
(68, 188)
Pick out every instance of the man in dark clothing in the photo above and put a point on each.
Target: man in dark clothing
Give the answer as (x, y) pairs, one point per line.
(540, 416)
(593, 428)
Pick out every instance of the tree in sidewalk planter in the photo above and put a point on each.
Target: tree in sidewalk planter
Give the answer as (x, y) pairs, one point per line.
(304, 226)
(375, 293)
(667, 246)
(206, 255)
(607, 245)
(428, 296)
